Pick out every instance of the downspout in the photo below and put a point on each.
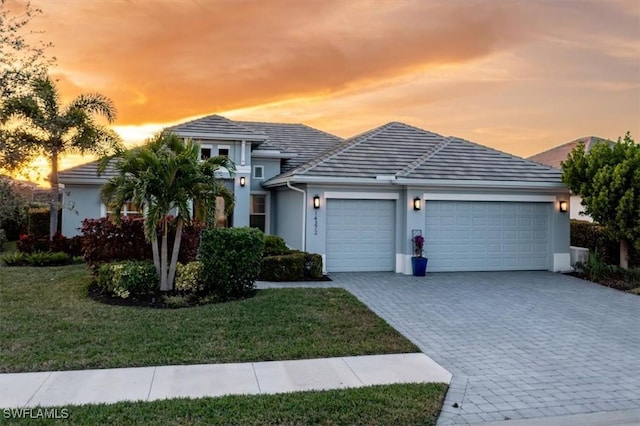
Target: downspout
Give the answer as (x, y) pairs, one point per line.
(304, 214)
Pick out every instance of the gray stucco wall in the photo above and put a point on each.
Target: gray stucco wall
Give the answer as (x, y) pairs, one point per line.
(288, 216)
(79, 202)
(271, 168)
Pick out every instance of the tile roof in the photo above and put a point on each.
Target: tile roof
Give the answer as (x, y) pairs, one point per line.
(217, 125)
(554, 156)
(86, 173)
(299, 139)
(409, 152)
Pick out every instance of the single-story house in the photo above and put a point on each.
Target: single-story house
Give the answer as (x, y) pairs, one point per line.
(358, 202)
(555, 156)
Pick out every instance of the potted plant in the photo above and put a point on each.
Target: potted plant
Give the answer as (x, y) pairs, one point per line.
(418, 262)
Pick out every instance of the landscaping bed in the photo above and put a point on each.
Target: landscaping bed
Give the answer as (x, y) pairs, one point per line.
(50, 323)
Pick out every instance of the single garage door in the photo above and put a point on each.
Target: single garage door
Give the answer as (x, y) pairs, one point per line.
(360, 235)
(487, 236)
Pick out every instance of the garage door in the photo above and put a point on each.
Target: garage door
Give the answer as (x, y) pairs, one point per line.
(360, 235)
(486, 236)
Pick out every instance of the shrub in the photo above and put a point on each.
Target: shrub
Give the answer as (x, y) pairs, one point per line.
(13, 259)
(189, 277)
(28, 243)
(3, 239)
(595, 268)
(37, 259)
(72, 246)
(274, 246)
(312, 266)
(632, 276)
(296, 266)
(231, 259)
(103, 241)
(38, 221)
(593, 236)
(128, 279)
(288, 267)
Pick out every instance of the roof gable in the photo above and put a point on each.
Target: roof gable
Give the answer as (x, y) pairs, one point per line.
(216, 126)
(294, 138)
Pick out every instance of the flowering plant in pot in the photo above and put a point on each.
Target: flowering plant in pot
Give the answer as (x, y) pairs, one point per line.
(418, 262)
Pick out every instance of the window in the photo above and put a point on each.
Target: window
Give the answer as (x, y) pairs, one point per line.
(223, 151)
(205, 153)
(129, 209)
(258, 172)
(258, 213)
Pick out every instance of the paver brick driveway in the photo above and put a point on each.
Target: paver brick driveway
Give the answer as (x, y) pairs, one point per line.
(519, 344)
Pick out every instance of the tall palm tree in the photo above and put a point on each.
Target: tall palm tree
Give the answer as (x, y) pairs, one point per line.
(44, 126)
(166, 177)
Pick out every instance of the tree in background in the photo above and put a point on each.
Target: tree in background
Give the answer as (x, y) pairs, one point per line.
(41, 125)
(608, 180)
(165, 177)
(22, 59)
(12, 203)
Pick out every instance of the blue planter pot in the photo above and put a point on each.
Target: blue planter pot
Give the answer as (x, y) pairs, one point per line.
(419, 265)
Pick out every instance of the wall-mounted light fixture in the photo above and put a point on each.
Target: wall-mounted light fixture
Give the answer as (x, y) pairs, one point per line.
(243, 181)
(563, 206)
(316, 202)
(417, 203)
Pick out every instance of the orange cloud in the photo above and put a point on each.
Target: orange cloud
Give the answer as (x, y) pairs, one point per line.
(165, 60)
(517, 75)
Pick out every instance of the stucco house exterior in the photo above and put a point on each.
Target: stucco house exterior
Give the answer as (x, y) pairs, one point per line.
(359, 201)
(555, 156)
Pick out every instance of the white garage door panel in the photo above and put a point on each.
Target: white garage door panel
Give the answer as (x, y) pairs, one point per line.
(486, 236)
(360, 235)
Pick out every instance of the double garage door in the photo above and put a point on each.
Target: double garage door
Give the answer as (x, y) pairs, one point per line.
(460, 235)
(487, 236)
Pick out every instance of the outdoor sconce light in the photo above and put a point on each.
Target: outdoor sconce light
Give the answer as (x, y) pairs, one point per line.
(316, 202)
(243, 181)
(417, 203)
(563, 206)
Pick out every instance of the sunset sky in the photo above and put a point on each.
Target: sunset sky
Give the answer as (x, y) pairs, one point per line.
(519, 76)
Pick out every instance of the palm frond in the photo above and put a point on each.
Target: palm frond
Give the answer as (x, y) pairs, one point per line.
(95, 103)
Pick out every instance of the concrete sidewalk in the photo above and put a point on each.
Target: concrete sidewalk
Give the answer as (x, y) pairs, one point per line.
(58, 388)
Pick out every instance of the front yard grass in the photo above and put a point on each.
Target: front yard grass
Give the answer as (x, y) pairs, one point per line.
(49, 323)
(400, 404)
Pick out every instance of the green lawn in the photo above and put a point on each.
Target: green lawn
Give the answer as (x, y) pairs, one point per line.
(48, 323)
(406, 404)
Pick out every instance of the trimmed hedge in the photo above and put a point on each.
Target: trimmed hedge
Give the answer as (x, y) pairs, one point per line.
(231, 259)
(104, 241)
(133, 279)
(274, 246)
(295, 266)
(38, 220)
(59, 243)
(593, 236)
(189, 277)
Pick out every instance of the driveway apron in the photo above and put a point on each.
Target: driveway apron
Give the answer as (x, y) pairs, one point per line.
(519, 344)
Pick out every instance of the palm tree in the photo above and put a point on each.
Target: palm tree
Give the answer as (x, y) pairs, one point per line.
(44, 126)
(165, 176)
